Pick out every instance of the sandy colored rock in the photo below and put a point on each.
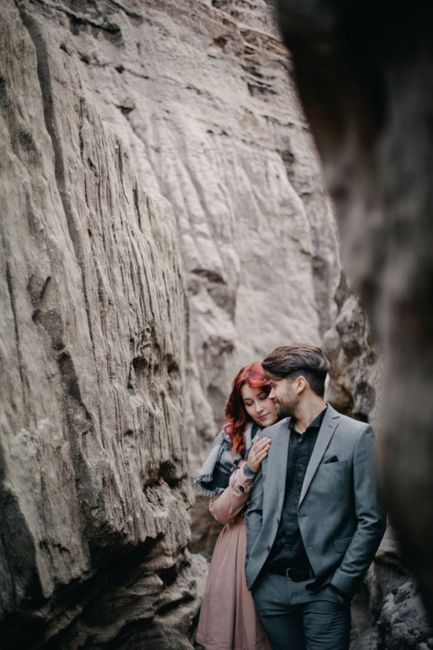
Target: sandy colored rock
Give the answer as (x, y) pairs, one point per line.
(94, 493)
(201, 93)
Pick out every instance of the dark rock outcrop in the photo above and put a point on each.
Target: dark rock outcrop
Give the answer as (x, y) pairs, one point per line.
(364, 72)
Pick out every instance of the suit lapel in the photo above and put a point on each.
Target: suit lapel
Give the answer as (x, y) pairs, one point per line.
(275, 469)
(248, 439)
(324, 436)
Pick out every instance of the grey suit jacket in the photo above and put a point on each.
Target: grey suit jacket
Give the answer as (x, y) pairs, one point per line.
(340, 517)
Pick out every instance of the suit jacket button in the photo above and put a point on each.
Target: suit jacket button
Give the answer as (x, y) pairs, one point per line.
(268, 548)
(242, 489)
(278, 520)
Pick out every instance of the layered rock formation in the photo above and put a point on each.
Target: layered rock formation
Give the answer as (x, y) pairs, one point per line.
(200, 93)
(94, 492)
(355, 370)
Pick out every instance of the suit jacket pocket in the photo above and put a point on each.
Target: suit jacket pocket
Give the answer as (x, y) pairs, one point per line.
(330, 459)
(334, 465)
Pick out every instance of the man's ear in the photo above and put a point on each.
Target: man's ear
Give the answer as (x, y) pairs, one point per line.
(301, 384)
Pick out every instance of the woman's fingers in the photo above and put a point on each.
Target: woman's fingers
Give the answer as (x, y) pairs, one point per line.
(259, 451)
(261, 443)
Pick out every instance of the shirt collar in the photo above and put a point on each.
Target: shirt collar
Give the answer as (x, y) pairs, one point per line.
(315, 424)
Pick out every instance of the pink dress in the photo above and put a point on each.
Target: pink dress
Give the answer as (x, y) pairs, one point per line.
(228, 618)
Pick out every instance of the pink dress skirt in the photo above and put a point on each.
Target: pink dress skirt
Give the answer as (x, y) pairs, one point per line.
(228, 618)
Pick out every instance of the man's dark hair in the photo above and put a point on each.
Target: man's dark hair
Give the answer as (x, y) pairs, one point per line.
(300, 359)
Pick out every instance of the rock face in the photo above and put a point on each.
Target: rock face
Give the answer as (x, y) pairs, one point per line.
(355, 375)
(94, 493)
(365, 76)
(402, 624)
(201, 93)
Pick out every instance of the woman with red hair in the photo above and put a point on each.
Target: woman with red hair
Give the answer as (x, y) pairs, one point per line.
(228, 619)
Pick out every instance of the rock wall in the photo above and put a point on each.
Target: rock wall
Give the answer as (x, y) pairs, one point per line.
(200, 92)
(94, 493)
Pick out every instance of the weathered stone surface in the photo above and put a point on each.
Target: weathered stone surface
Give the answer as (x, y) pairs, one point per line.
(94, 494)
(200, 92)
(403, 624)
(355, 369)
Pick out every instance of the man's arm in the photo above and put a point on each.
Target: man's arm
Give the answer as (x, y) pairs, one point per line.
(371, 518)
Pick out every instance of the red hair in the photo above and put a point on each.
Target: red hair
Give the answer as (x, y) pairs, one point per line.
(237, 418)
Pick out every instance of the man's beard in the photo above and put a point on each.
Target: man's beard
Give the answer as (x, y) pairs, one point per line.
(287, 409)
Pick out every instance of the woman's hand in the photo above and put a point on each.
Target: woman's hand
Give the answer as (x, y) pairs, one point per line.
(258, 452)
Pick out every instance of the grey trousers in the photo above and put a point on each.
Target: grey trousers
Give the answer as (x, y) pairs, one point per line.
(297, 619)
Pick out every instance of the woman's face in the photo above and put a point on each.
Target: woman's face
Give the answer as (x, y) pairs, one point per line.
(259, 407)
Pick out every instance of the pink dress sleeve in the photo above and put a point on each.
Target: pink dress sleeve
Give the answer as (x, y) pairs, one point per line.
(226, 506)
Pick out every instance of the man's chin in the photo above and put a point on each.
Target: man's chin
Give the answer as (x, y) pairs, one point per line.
(284, 412)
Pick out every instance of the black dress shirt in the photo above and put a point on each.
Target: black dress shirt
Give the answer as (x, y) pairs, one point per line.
(288, 549)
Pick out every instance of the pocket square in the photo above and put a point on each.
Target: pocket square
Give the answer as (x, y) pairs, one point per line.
(331, 459)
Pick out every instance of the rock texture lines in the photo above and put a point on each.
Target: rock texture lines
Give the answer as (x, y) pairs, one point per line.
(94, 493)
(200, 93)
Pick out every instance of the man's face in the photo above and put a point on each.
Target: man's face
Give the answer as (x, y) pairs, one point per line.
(285, 394)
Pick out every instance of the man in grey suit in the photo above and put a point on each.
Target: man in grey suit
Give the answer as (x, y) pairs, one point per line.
(314, 519)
